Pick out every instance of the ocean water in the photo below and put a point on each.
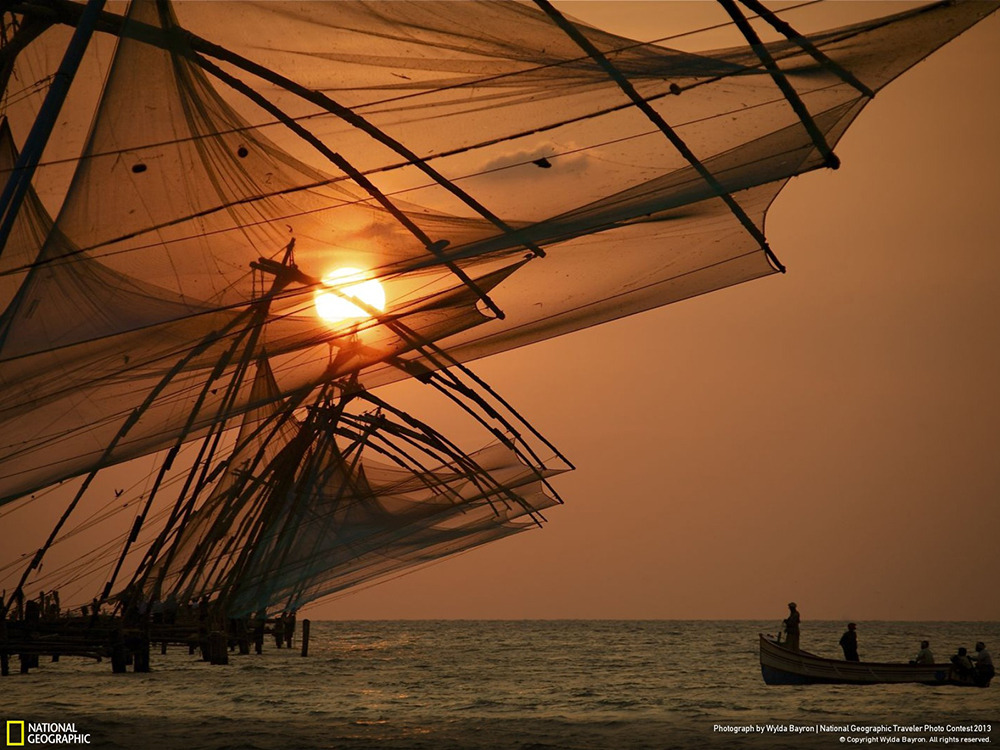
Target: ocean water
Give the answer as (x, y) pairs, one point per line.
(512, 684)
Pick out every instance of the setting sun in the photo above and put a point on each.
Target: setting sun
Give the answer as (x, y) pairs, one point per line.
(335, 306)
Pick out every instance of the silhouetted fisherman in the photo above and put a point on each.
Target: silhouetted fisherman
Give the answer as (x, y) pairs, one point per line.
(289, 627)
(791, 624)
(924, 655)
(961, 663)
(849, 642)
(984, 670)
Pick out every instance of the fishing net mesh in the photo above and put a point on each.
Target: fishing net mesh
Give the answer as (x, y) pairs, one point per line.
(472, 157)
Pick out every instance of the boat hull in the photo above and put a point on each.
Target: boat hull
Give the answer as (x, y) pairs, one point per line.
(782, 666)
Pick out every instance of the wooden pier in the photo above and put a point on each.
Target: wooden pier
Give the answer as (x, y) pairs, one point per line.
(128, 641)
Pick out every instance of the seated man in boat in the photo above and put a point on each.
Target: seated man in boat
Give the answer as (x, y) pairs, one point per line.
(984, 665)
(791, 624)
(849, 642)
(961, 664)
(924, 655)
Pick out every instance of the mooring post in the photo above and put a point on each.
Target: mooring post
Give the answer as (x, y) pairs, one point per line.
(305, 637)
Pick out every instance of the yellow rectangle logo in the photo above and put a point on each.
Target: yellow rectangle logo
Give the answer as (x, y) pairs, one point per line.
(11, 742)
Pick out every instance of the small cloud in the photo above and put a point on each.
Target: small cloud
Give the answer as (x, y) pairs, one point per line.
(561, 158)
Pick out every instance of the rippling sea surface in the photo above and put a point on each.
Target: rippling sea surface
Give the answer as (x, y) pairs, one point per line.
(511, 684)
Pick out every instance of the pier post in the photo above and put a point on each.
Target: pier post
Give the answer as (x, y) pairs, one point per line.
(4, 659)
(217, 648)
(119, 657)
(258, 635)
(4, 656)
(240, 634)
(305, 637)
(141, 659)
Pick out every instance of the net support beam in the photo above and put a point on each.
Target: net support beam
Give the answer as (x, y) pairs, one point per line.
(106, 457)
(435, 248)
(781, 81)
(183, 42)
(24, 34)
(20, 178)
(646, 108)
(785, 28)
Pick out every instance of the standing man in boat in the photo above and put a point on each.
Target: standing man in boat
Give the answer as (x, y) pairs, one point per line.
(792, 627)
(849, 642)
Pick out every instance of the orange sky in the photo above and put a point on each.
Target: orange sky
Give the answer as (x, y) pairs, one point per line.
(829, 435)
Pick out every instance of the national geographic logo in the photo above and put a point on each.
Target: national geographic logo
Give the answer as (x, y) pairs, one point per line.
(15, 733)
(21, 733)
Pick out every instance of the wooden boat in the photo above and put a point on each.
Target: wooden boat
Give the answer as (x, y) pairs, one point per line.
(783, 666)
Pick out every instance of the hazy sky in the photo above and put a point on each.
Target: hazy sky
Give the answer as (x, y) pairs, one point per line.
(830, 435)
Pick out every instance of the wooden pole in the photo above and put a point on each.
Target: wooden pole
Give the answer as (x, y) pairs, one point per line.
(20, 177)
(305, 637)
(119, 656)
(716, 187)
(140, 661)
(4, 655)
(218, 652)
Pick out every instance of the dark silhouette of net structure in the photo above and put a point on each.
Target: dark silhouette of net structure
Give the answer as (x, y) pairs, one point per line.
(199, 198)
